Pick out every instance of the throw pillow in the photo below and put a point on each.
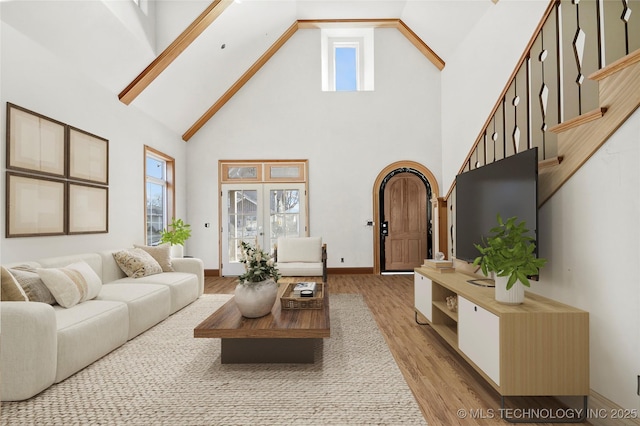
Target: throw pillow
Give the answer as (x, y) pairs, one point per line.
(137, 263)
(32, 285)
(10, 290)
(71, 284)
(161, 253)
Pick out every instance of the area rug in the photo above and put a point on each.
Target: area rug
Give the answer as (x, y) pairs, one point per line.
(167, 377)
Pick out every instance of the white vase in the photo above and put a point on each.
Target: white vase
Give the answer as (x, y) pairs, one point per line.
(256, 299)
(177, 250)
(513, 296)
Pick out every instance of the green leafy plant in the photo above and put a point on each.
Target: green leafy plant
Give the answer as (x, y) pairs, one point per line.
(179, 233)
(258, 264)
(509, 252)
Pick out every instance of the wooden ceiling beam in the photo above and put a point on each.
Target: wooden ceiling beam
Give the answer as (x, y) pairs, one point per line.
(311, 24)
(241, 81)
(347, 23)
(210, 14)
(420, 45)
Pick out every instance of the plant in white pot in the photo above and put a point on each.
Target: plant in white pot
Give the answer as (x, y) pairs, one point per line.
(509, 254)
(257, 288)
(179, 233)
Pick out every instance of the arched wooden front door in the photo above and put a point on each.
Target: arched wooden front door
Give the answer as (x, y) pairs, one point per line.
(405, 223)
(429, 182)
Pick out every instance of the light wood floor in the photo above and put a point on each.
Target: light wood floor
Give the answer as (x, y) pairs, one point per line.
(441, 381)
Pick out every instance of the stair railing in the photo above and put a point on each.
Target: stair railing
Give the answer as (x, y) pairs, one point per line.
(550, 84)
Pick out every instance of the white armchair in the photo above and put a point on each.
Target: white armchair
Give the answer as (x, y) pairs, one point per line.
(301, 257)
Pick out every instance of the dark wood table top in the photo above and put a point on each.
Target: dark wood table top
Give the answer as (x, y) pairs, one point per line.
(227, 322)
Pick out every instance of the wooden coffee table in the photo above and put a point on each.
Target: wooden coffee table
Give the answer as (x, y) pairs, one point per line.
(283, 336)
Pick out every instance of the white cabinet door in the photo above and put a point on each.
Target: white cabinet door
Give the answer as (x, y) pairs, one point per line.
(479, 337)
(422, 295)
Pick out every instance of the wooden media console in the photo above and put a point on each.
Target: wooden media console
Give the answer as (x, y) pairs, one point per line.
(538, 348)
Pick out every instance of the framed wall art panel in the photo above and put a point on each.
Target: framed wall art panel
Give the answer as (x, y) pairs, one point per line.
(35, 206)
(88, 157)
(35, 143)
(88, 209)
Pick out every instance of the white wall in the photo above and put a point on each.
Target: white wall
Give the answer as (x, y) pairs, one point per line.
(281, 113)
(589, 230)
(590, 234)
(33, 78)
(139, 20)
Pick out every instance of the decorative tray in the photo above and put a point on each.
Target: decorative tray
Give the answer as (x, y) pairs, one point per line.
(287, 301)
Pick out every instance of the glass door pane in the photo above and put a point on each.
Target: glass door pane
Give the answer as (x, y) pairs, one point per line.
(246, 207)
(242, 221)
(286, 206)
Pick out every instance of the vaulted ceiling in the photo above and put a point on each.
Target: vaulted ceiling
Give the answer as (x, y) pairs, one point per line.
(114, 42)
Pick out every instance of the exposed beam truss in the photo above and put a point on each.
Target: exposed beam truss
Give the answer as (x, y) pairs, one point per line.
(183, 41)
(312, 24)
(212, 12)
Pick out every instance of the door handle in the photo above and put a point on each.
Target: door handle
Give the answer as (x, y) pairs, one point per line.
(384, 228)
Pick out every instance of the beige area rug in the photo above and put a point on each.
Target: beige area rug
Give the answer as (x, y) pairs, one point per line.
(167, 377)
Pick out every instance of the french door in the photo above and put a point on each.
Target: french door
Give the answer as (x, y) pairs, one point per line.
(259, 213)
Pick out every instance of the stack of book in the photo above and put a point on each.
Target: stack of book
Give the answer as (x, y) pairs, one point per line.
(304, 289)
(439, 265)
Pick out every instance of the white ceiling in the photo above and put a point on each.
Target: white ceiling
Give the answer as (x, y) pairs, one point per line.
(113, 42)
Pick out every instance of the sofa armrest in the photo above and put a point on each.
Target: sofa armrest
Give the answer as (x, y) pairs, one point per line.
(192, 265)
(28, 349)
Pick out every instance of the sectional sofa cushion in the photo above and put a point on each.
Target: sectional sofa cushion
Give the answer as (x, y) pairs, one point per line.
(147, 304)
(71, 284)
(10, 290)
(161, 253)
(87, 332)
(137, 263)
(184, 287)
(32, 285)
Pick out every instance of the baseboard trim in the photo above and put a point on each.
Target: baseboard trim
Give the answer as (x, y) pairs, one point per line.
(604, 412)
(350, 271)
(343, 271)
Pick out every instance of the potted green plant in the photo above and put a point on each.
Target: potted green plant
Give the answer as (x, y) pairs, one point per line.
(257, 288)
(179, 233)
(509, 254)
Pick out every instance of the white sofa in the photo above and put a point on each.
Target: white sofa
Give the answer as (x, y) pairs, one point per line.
(43, 344)
(301, 257)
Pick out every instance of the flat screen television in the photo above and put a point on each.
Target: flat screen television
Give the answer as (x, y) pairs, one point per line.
(509, 187)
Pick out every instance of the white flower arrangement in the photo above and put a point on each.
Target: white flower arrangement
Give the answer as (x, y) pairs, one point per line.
(259, 265)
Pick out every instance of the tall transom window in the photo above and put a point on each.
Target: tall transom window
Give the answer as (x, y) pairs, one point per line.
(347, 59)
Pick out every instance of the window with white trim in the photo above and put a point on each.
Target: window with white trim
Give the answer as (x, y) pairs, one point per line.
(347, 59)
(159, 194)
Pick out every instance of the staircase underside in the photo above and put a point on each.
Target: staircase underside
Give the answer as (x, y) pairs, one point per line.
(580, 138)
